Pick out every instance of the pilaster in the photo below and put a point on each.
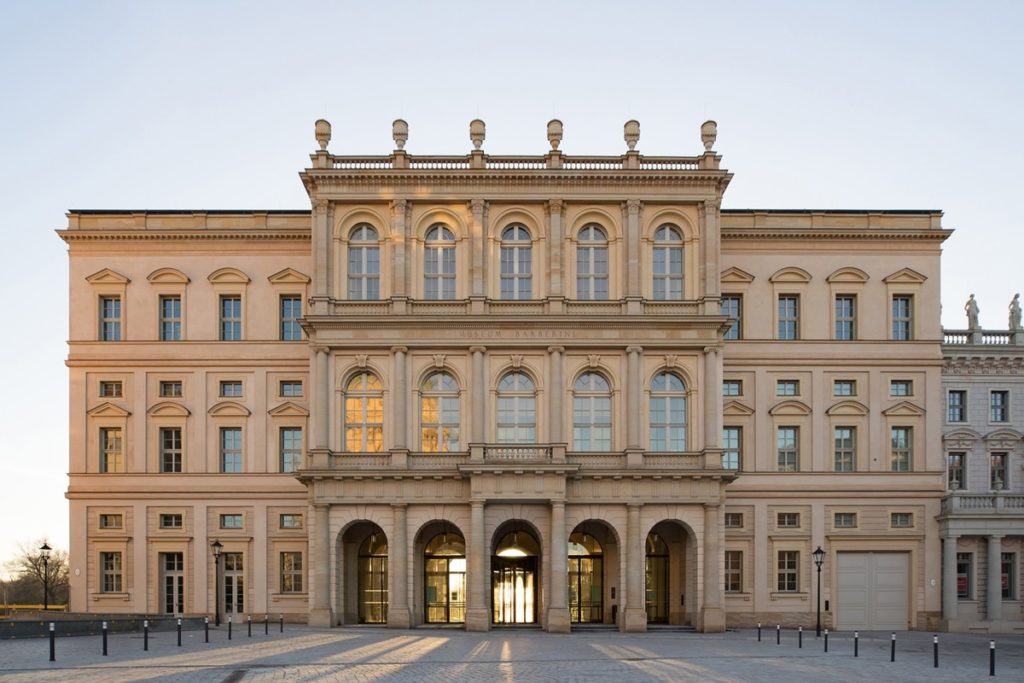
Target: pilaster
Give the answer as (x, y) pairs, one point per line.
(712, 616)
(400, 249)
(949, 597)
(478, 617)
(555, 210)
(994, 592)
(478, 208)
(399, 615)
(634, 618)
(321, 614)
(558, 608)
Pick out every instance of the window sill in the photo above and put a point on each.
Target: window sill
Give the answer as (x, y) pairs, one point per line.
(784, 595)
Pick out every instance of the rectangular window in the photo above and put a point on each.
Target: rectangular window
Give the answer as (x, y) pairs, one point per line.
(733, 520)
(732, 306)
(171, 521)
(732, 387)
(291, 311)
(998, 471)
(844, 387)
(231, 318)
(110, 318)
(964, 575)
(1008, 576)
(291, 572)
(845, 449)
(787, 387)
(231, 521)
(999, 403)
(956, 406)
(733, 571)
(901, 387)
(291, 448)
(110, 389)
(110, 521)
(111, 450)
(291, 521)
(231, 389)
(170, 318)
(230, 449)
(901, 452)
(170, 449)
(170, 389)
(846, 317)
(732, 448)
(845, 520)
(955, 471)
(789, 563)
(789, 316)
(902, 317)
(291, 388)
(110, 572)
(787, 442)
(901, 520)
(787, 520)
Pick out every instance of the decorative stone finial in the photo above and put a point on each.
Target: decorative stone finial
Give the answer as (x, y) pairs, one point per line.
(322, 129)
(477, 132)
(632, 136)
(708, 134)
(399, 133)
(554, 133)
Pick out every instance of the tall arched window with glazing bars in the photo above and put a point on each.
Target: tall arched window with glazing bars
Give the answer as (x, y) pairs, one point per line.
(667, 263)
(516, 263)
(517, 409)
(439, 413)
(439, 263)
(592, 263)
(364, 414)
(592, 413)
(363, 263)
(667, 413)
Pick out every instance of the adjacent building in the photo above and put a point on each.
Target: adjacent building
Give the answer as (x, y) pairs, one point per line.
(501, 390)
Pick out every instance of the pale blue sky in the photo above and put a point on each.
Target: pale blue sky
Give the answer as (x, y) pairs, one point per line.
(211, 105)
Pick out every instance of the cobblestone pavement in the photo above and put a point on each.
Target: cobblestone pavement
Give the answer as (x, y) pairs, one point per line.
(307, 655)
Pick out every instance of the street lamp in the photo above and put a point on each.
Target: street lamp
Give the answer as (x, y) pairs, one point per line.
(216, 546)
(819, 559)
(44, 552)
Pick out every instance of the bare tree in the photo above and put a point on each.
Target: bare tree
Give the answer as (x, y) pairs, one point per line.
(28, 572)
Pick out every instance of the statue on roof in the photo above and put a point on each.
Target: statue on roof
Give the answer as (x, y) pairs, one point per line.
(1015, 314)
(972, 310)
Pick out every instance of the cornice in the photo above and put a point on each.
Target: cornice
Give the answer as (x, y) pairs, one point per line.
(863, 234)
(176, 235)
(984, 365)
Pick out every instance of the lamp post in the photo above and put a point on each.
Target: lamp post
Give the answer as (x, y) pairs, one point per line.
(216, 546)
(44, 552)
(819, 559)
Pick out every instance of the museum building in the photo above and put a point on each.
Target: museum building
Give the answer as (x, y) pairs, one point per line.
(508, 390)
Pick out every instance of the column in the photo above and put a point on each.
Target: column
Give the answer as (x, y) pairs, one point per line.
(321, 613)
(478, 208)
(709, 249)
(556, 395)
(400, 248)
(712, 616)
(400, 399)
(633, 397)
(635, 613)
(321, 242)
(712, 408)
(633, 289)
(556, 239)
(323, 398)
(399, 615)
(558, 598)
(995, 578)
(477, 616)
(478, 402)
(949, 598)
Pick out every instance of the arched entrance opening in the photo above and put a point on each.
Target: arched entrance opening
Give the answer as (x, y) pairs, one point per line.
(515, 575)
(444, 578)
(671, 574)
(362, 588)
(593, 570)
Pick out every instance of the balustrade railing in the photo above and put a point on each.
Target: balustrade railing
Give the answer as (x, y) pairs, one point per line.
(513, 452)
(402, 161)
(983, 337)
(983, 503)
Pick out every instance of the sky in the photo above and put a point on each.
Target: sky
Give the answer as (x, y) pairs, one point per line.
(144, 105)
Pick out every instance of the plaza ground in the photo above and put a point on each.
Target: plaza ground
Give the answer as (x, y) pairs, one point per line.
(339, 655)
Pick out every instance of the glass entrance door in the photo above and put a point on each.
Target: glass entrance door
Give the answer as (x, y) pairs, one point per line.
(586, 580)
(172, 568)
(373, 580)
(656, 597)
(444, 581)
(514, 592)
(234, 583)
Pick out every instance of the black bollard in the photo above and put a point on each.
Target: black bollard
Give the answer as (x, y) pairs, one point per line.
(800, 636)
(282, 623)
(759, 631)
(826, 640)
(778, 634)
(145, 635)
(53, 643)
(266, 624)
(229, 627)
(206, 628)
(249, 623)
(892, 650)
(179, 631)
(991, 658)
(856, 641)
(935, 651)
(104, 639)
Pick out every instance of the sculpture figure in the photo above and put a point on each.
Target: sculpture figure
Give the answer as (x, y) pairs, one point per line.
(972, 310)
(1015, 314)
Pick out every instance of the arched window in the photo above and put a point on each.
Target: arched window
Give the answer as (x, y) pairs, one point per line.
(439, 263)
(363, 263)
(668, 413)
(445, 579)
(592, 413)
(439, 414)
(517, 409)
(592, 263)
(586, 579)
(667, 263)
(364, 414)
(516, 263)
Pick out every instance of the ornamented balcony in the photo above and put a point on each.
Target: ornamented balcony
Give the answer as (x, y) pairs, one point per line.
(983, 504)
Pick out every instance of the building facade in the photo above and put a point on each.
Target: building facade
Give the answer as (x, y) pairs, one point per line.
(982, 518)
(492, 391)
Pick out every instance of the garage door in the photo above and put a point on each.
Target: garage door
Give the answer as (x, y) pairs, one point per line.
(872, 591)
